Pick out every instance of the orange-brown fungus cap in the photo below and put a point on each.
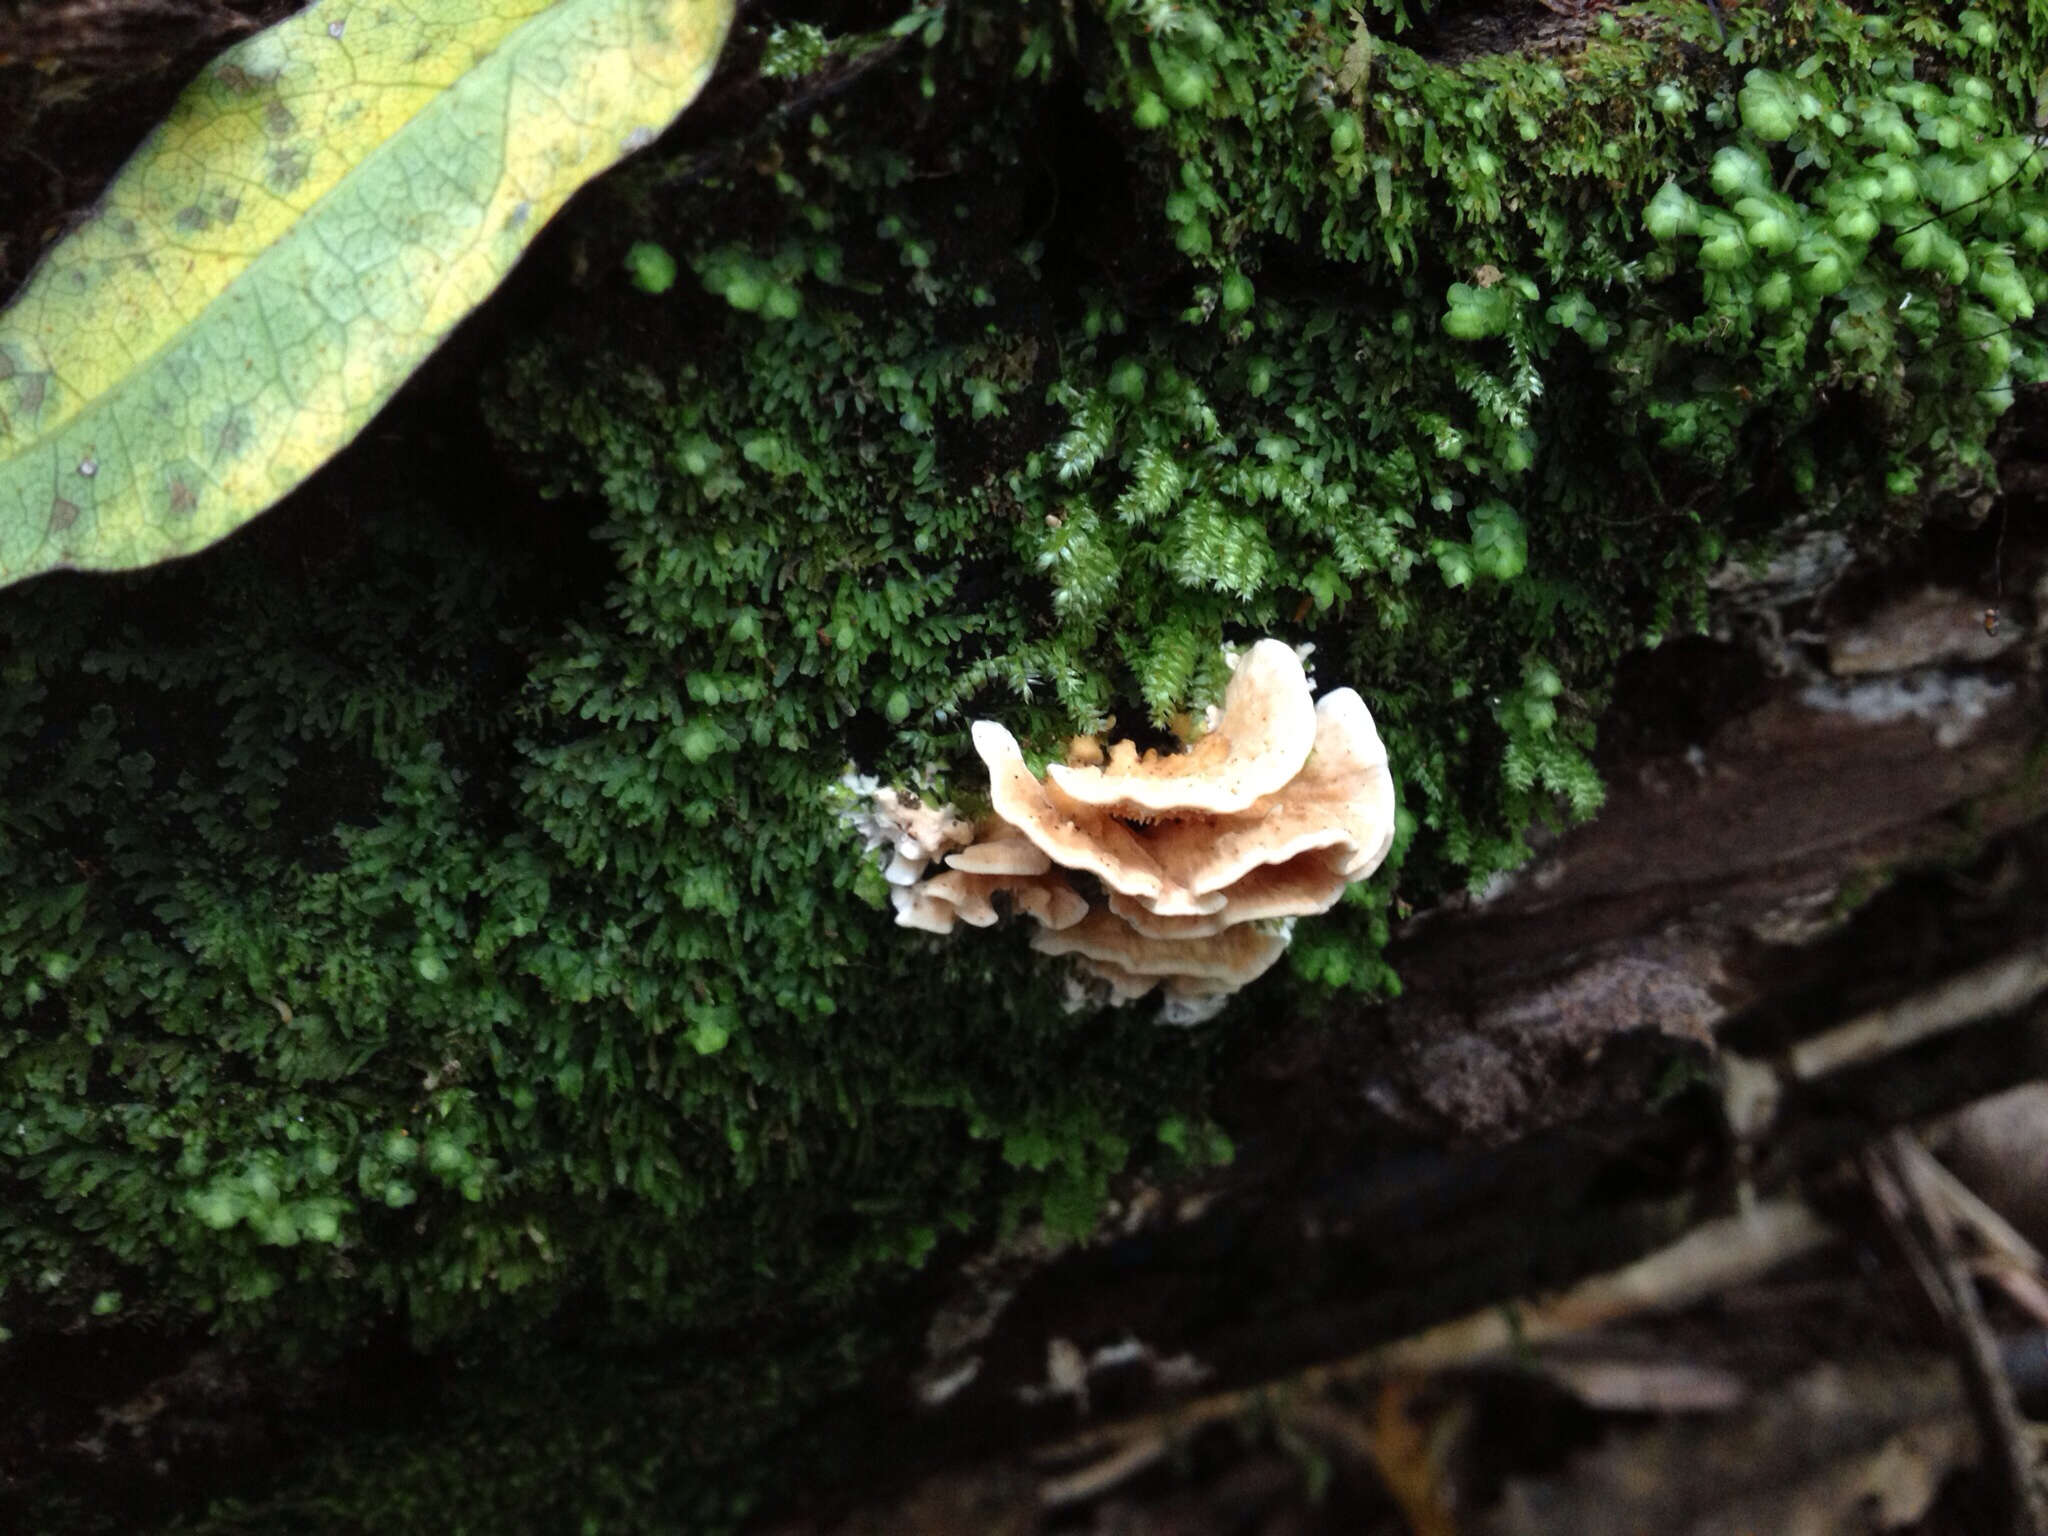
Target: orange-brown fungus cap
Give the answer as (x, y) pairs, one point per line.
(955, 895)
(1340, 805)
(1233, 957)
(1259, 741)
(1073, 835)
(1301, 887)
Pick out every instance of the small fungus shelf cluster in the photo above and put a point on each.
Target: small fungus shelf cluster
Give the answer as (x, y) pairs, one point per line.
(1180, 871)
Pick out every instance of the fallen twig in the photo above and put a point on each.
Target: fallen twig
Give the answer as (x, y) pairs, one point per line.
(1621, 1384)
(1967, 1209)
(2022, 1288)
(2011, 1263)
(1098, 1477)
(1912, 1204)
(1707, 1260)
(1752, 1091)
(2002, 985)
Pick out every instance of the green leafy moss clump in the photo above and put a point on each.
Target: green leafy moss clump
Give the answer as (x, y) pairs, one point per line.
(348, 976)
(376, 940)
(1182, 328)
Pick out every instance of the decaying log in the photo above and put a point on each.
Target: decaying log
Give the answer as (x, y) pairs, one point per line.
(1838, 870)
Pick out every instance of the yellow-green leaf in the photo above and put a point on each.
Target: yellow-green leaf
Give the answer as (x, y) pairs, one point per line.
(321, 207)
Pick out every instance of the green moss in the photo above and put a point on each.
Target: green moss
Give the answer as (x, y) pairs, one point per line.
(1437, 365)
(377, 942)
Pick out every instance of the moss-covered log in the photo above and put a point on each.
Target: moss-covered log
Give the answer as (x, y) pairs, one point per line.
(430, 918)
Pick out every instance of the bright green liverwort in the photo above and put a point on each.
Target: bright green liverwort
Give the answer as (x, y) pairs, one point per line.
(449, 934)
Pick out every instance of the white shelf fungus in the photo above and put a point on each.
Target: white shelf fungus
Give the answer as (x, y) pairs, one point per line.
(1204, 856)
(913, 832)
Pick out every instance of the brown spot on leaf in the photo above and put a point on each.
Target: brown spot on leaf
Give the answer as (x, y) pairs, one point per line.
(278, 120)
(287, 169)
(178, 487)
(30, 385)
(29, 392)
(241, 81)
(233, 436)
(191, 218)
(62, 514)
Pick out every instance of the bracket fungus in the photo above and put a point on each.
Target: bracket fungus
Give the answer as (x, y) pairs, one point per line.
(1199, 974)
(1203, 857)
(913, 832)
(958, 895)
